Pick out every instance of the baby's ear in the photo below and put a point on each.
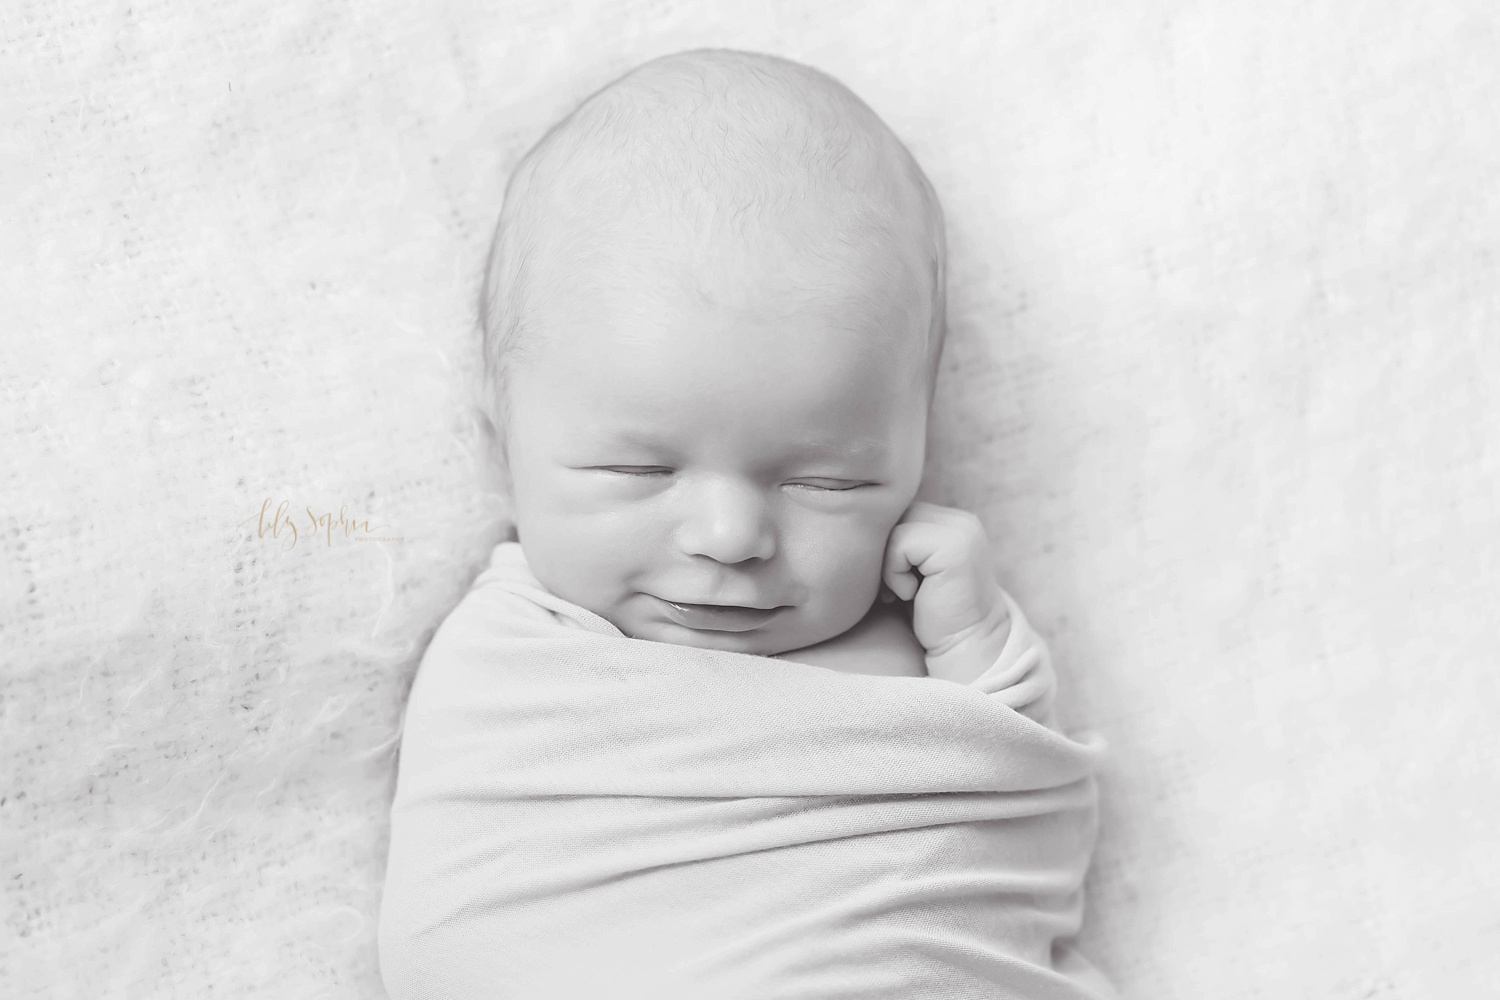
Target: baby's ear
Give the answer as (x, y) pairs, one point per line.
(494, 469)
(494, 461)
(494, 441)
(486, 425)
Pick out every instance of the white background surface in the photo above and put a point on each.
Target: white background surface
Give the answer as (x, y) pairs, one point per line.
(1221, 382)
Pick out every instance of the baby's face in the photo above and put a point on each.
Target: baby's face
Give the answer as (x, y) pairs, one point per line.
(706, 461)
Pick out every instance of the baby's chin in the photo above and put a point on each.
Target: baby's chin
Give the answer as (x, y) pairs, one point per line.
(766, 640)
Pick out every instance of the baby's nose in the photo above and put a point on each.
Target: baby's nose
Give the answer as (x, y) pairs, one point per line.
(728, 522)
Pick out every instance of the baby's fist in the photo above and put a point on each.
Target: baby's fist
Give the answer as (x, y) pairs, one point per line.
(938, 557)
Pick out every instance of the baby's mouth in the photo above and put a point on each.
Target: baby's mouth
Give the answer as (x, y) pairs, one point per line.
(718, 617)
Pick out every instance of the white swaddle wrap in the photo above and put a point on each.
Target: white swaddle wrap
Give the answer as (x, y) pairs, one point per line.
(583, 814)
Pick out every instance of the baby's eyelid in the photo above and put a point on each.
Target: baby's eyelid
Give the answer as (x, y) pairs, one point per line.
(812, 482)
(832, 485)
(635, 470)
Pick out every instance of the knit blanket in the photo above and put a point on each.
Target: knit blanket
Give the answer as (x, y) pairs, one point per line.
(581, 813)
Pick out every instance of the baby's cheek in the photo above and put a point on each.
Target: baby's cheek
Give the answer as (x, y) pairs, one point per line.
(843, 568)
(585, 559)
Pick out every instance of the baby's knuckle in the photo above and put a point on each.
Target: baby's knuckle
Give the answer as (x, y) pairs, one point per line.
(920, 513)
(903, 532)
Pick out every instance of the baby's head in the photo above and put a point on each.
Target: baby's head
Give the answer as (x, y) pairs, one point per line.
(712, 317)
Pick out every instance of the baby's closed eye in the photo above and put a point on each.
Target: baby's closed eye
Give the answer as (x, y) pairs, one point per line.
(829, 484)
(824, 483)
(635, 470)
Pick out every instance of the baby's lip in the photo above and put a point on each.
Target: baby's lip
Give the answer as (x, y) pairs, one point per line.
(718, 617)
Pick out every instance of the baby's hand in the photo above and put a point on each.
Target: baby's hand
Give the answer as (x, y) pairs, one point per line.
(939, 557)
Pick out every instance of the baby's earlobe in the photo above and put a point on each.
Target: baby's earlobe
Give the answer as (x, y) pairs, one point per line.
(482, 419)
(494, 440)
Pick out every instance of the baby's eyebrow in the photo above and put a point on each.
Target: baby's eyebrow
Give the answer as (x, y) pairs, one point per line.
(636, 439)
(854, 449)
(859, 449)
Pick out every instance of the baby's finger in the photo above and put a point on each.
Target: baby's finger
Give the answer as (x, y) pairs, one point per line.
(896, 570)
(952, 517)
(916, 550)
(925, 548)
(923, 512)
(955, 528)
(903, 584)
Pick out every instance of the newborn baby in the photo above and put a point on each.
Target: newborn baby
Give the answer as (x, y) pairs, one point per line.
(715, 312)
(712, 319)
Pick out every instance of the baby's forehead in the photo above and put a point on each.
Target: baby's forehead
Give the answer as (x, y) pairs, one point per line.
(750, 292)
(671, 387)
(779, 289)
(681, 350)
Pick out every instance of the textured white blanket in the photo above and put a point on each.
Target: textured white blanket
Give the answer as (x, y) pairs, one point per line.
(582, 814)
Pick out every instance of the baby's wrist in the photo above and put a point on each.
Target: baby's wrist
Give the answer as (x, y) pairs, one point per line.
(964, 657)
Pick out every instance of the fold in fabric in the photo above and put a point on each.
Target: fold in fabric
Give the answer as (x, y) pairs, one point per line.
(583, 814)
